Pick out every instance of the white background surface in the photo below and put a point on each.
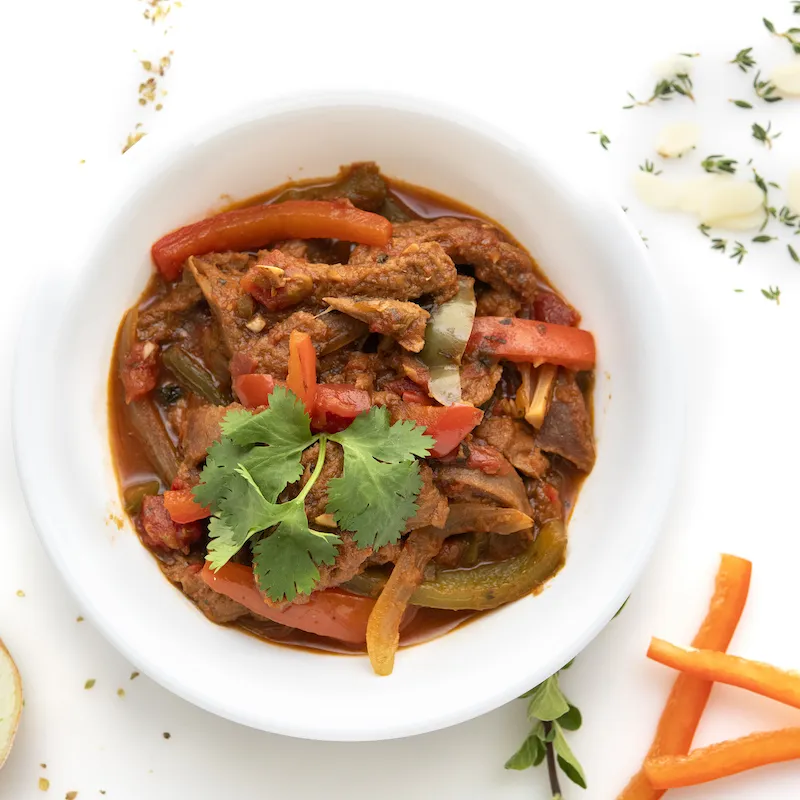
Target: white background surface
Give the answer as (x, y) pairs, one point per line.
(544, 71)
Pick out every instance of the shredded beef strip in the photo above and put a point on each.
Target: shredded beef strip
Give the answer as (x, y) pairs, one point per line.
(202, 430)
(502, 302)
(567, 428)
(479, 378)
(279, 280)
(515, 439)
(403, 321)
(360, 183)
(467, 241)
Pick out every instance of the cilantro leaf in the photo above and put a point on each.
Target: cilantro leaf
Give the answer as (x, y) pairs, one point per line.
(372, 435)
(532, 751)
(221, 463)
(566, 758)
(377, 491)
(223, 543)
(285, 561)
(547, 701)
(373, 499)
(284, 425)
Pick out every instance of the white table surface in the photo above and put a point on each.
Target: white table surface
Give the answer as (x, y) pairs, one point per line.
(541, 70)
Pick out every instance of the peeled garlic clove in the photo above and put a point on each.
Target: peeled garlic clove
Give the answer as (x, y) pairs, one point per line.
(677, 139)
(745, 222)
(729, 198)
(793, 191)
(786, 77)
(657, 192)
(695, 192)
(10, 702)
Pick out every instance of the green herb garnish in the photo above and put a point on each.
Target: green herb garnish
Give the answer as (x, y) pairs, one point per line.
(791, 35)
(765, 90)
(718, 163)
(604, 140)
(761, 134)
(649, 166)
(678, 84)
(259, 455)
(719, 244)
(551, 714)
(739, 252)
(743, 59)
(741, 103)
(772, 293)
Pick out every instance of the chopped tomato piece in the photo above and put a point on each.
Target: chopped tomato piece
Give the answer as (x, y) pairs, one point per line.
(333, 612)
(182, 506)
(337, 405)
(447, 424)
(256, 226)
(528, 340)
(417, 397)
(140, 370)
(254, 390)
(160, 531)
(549, 307)
(302, 378)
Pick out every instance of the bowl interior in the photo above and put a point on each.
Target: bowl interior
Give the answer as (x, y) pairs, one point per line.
(586, 249)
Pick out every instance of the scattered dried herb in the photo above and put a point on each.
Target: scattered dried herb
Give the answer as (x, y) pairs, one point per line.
(764, 238)
(761, 134)
(719, 244)
(703, 228)
(741, 103)
(772, 293)
(793, 254)
(89, 684)
(158, 10)
(120, 692)
(167, 735)
(78, 619)
(743, 59)
(134, 137)
(20, 593)
(44, 784)
(667, 88)
(604, 140)
(70, 795)
(134, 675)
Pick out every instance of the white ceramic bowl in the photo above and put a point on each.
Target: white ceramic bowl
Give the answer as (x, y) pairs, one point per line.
(583, 244)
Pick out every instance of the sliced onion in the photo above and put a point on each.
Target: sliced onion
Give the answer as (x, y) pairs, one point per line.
(540, 404)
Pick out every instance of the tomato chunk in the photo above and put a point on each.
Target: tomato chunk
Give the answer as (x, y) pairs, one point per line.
(528, 340)
(333, 612)
(182, 506)
(254, 227)
(254, 389)
(447, 424)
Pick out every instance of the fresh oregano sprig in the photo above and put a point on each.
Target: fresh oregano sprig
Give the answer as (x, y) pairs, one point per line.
(551, 714)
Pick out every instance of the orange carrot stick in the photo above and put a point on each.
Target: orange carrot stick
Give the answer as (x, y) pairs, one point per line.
(723, 759)
(689, 695)
(779, 684)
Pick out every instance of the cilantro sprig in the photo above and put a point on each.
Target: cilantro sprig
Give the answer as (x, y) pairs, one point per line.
(259, 455)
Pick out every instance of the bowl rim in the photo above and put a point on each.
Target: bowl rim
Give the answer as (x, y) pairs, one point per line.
(159, 148)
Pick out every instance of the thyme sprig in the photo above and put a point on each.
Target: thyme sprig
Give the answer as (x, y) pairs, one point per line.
(744, 60)
(765, 89)
(666, 89)
(718, 163)
(761, 134)
(739, 252)
(604, 140)
(719, 244)
(793, 253)
(772, 293)
(790, 35)
(650, 167)
(765, 185)
(741, 103)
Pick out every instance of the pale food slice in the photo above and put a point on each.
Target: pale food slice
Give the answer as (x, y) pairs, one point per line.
(676, 139)
(786, 77)
(10, 702)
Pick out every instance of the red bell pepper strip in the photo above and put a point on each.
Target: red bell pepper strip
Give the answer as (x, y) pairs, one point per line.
(334, 613)
(256, 226)
(254, 390)
(528, 340)
(182, 506)
(447, 424)
(302, 377)
(337, 405)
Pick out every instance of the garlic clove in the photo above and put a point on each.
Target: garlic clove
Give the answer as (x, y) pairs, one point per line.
(658, 192)
(729, 198)
(793, 191)
(786, 77)
(677, 139)
(745, 222)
